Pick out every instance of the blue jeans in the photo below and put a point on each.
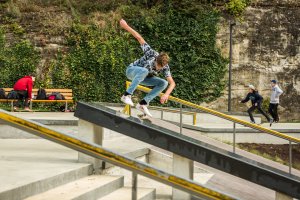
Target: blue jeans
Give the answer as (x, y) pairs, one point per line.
(138, 75)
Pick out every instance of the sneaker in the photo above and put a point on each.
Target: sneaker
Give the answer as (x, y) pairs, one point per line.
(252, 122)
(127, 100)
(28, 109)
(144, 109)
(16, 108)
(271, 122)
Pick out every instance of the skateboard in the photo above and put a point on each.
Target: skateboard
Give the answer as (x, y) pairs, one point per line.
(144, 117)
(141, 116)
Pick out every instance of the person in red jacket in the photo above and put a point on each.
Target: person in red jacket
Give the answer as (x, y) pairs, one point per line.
(23, 87)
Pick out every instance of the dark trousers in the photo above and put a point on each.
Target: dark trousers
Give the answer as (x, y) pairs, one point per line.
(258, 107)
(22, 95)
(273, 111)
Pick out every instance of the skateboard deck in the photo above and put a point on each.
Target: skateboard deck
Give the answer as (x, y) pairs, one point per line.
(144, 117)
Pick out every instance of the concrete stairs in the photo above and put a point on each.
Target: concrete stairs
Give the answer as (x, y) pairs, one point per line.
(36, 169)
(92, 188)
(125, 194)
(37, 183)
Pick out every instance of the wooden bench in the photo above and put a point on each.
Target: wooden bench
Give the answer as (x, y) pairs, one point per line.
(68, 94)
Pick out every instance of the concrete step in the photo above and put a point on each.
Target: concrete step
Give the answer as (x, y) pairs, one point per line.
(38, 180)
(125, 194)
(87, 188)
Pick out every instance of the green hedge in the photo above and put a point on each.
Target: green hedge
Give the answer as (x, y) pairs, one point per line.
(95, 65)
(16, 60)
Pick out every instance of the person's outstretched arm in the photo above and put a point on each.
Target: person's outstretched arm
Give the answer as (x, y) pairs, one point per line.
(246, 99)
(135, 34)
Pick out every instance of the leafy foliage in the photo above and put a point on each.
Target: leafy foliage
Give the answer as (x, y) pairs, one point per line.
(16, 61)
(95, 66)
(189, 36)
(237, 7)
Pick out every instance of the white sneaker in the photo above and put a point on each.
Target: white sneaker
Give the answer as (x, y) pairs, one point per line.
(127, 100)
(144, 109)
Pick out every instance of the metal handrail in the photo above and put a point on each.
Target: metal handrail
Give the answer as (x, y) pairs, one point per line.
(175, 111)
(224, 116)
(106, 155)
(227, 117)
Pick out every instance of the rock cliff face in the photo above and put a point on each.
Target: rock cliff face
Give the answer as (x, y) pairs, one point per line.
(266, 46)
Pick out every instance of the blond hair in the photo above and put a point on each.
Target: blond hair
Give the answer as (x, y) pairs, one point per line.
(162, 59)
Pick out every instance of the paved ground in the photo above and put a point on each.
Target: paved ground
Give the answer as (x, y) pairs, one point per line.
(24, 161)
(46, 115)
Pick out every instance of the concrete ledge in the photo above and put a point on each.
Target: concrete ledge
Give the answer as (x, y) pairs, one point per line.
(238, 129)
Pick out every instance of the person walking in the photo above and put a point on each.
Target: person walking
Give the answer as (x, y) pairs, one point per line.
(145, 70)
(256, 100)
(274, 100)
(23, 88)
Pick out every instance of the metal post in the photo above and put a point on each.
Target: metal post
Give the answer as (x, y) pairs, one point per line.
(180, 118)
(66, 106)
(134, 186)
(290, 157)
(12, 106)
(128, 106)
(30, 105)
(232, 23)
(161, 114)
(234, 130)
(194, 118)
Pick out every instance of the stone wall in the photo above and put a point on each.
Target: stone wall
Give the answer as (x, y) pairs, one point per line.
(266, 45)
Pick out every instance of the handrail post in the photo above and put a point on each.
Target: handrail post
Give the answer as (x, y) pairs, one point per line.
(234, 131)
(134, 186)
(161, 114)
(127, 108)
(180, 118)
(290, 157)
(194, 118)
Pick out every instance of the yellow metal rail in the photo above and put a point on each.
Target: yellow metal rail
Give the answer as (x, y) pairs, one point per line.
(111, 157)
(222, 115)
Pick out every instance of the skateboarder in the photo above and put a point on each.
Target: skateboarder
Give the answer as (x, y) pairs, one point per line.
(23, 87)
(256, 100)
(145, 70)
(274, 100)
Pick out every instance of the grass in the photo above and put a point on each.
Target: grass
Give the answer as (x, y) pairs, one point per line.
(266, 155)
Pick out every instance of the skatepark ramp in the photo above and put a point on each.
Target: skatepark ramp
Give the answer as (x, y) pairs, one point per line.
(234, 120)
(104, 154)
(190, 148)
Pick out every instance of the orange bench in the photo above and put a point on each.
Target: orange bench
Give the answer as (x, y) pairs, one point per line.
(68, 94)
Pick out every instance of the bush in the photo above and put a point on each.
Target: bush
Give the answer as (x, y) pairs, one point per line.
(95, 65)
(16, 61)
